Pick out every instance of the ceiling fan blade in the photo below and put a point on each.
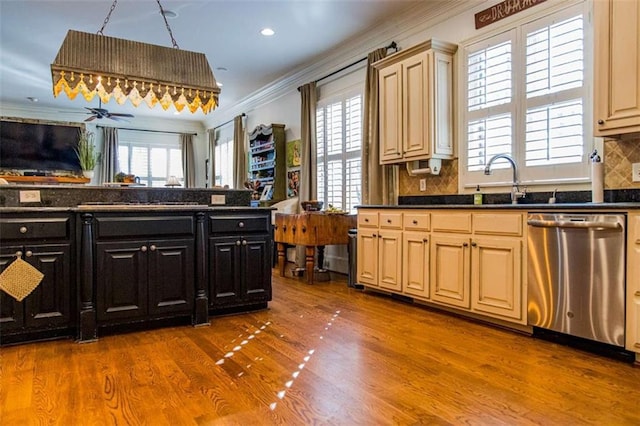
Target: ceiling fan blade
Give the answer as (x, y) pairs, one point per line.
(116, 118)
(121, 115)
(93, 117)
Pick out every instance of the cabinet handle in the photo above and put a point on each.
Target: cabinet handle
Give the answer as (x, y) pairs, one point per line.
(153, 247)
(143, 248)
(29, 253)
(241, 224)
(293, 229)
(474, 244)
(23, 229)
(238, 242)
(18, 253)
(415, 222)
(244, 242)
(284, 227)
(275, 226)
(601, 122)
(304, 229)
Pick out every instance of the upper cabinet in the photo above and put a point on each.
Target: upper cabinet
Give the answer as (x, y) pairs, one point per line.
(617, 67)
(416, 103)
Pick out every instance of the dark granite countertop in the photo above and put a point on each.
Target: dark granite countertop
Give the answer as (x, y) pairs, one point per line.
(526, 207)
(142, 208)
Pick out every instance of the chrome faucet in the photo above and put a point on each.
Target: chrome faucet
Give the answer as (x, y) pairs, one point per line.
(515, 191)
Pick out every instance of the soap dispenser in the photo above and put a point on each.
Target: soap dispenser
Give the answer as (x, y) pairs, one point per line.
(477, 197)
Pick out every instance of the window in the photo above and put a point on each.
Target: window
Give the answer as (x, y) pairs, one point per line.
(151, 157)
(526, 92)
(223, 164)
(339, 138)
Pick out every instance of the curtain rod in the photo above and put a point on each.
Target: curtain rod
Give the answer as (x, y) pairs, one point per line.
(393, 45)
(227, 122)
(146, 130)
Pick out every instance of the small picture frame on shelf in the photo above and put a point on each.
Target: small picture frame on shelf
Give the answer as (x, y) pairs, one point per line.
(267, 193)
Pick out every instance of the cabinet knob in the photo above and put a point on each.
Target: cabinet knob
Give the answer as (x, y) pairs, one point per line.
(284, 227)
(388, 220)
(275, 226)
(29, 253)
(238, 242)
(425, 240)
(244, 242)
(304, 229)
(366, 219)
(601, 121)
(293, 228)
(23, 229)
(241, 224)
(153, 247)
(143, 248)
(474, 244)
(465, 244)
(18, 253)
(415, 222)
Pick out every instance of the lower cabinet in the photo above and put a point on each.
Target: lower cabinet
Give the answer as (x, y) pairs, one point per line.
(633, 285)
(43, 241)
(468, 261)
(240, 252)
(143, 278)
(49, 304)
(380, 250)
(450, 270)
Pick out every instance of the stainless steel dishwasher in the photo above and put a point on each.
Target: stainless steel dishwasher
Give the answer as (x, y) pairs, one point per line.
(576, 283)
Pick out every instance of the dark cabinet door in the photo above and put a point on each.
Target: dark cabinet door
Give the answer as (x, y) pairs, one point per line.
(224, 271)
(256, 270)
(121, 278)
(11, 311)
(171, 281)
(49, 304)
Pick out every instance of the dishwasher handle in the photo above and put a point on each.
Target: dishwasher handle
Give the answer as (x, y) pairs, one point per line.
(573, 224)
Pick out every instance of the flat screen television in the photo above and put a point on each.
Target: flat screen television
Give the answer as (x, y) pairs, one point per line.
(35, 146)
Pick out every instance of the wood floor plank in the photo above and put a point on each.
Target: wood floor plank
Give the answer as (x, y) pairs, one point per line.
(321, 354)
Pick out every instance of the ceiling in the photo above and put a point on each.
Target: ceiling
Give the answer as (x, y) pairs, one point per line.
(226, 31)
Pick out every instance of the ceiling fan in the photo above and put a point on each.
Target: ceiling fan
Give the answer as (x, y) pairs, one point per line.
(100, 113)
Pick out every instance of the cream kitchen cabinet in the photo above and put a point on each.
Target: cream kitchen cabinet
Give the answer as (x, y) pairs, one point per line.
(415, 254)
(380, 249)
(633, 285)
(617, 67)
(476, 263)
(416, 103)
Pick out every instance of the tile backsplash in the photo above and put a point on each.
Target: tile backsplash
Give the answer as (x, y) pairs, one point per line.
(619, 155)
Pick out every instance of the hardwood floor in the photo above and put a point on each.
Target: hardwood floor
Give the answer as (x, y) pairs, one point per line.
(321, 354)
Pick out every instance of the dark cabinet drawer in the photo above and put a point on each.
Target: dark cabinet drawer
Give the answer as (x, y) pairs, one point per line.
(144, 226)
(32, 228)
(235, 224)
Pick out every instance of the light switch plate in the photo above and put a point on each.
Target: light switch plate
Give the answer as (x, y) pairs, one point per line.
(218, 199)
(423, 185)
(635, 170)
(30, 196)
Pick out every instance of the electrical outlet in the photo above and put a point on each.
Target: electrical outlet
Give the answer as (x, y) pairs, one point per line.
(29, 196)
(423, 185)
(218, 199)
(635, 171)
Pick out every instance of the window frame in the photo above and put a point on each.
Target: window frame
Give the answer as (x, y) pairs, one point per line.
(148, 142)
(345, 156)
(574, 176)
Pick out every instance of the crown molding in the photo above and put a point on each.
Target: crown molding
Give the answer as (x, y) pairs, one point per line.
(412, 22)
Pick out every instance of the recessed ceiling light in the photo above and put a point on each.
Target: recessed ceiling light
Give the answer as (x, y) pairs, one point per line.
(267, 32)
(170, 14)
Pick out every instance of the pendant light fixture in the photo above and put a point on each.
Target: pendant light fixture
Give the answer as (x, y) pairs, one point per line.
(94, 64)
